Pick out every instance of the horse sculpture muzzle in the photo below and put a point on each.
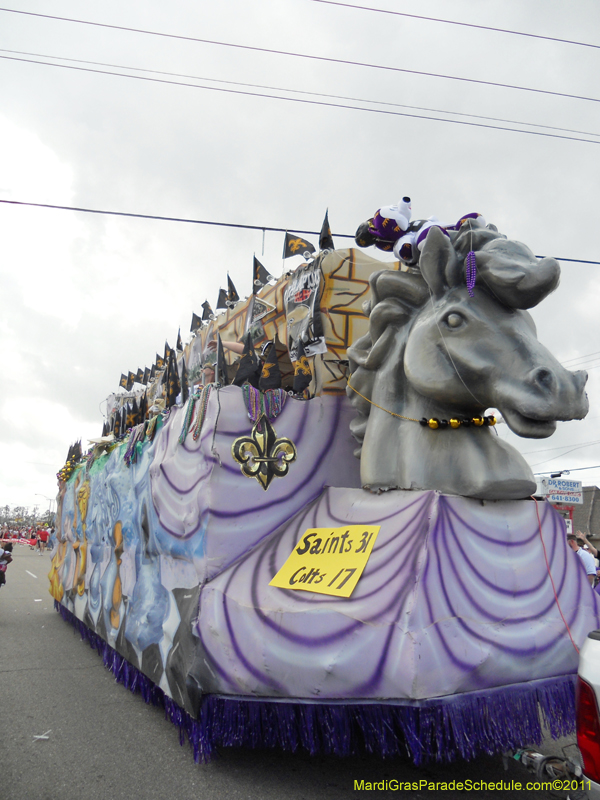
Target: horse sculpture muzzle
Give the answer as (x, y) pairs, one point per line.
(549, 396)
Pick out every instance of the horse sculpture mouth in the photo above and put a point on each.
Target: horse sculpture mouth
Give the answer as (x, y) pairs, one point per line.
(529, 427)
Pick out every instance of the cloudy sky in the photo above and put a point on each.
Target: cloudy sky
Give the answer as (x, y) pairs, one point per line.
(85, 297)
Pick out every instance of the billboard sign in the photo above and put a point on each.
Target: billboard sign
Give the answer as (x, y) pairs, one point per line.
(561, 490)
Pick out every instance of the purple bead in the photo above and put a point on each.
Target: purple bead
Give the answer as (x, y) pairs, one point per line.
(471, 272)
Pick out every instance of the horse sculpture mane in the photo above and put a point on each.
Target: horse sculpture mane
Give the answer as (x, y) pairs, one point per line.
(433, 351)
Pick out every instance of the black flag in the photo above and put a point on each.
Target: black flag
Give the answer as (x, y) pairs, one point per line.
(270, 377)
(160, 362)
(221, 365)
(232, 295)
(325, 238)
(117, 424)
(146, 376)
(185, 387)
(196, 323)
(179, 345)
(222, 299)
(123, 381)
(207, 312)
(260, 276)
(172, 380)
(124, 420)
(302, 371)
(139, 378)
(167, 352)
(132, 414)
(249, 367)
(143, 412)
(296, 246)
(130, 381)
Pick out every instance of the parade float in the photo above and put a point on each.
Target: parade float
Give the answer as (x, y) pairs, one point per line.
(330, 548)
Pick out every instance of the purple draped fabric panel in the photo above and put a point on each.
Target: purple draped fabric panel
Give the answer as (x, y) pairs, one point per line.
(455, 598)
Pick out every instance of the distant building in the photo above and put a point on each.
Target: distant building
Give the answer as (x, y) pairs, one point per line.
(583, 517)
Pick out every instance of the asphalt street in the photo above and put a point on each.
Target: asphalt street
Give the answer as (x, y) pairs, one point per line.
(101, 742)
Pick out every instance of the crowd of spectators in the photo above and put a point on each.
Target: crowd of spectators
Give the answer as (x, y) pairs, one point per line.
(5, 559)
(37, 537)
(588, 554)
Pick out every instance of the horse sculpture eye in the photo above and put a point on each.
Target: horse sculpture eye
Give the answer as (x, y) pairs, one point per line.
(455, 320)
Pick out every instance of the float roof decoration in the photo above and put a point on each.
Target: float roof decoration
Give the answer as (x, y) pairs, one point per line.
(336, 283)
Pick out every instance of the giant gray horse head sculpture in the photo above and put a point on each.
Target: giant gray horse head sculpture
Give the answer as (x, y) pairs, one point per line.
(433, 352)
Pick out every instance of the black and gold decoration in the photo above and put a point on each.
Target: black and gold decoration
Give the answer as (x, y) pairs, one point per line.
(262, 455)
(260, 276)
(270, 377)
(296, 246)
(302, 371)
(455, 422)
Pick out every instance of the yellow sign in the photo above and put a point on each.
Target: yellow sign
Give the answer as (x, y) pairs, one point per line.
(328, 560)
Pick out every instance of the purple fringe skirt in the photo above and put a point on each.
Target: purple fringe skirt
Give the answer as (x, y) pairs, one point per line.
(439, 729)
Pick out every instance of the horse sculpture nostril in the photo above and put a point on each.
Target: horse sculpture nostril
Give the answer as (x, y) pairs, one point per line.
(544, 378)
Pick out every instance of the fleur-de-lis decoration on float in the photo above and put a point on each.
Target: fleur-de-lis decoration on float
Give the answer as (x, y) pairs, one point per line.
(262, 455)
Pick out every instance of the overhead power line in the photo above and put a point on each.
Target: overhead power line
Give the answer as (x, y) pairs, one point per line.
(560, 447)
(576, 469)
(211, 222)
(578, 358)
(572, 450)
(304, 100)
(327, 59)
(297, 91)
(172, 219)
(461, 24)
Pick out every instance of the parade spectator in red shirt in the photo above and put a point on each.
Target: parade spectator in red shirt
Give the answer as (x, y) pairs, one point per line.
(43, 535)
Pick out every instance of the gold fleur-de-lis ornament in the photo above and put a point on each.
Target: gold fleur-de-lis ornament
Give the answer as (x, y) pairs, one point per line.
(262, 455)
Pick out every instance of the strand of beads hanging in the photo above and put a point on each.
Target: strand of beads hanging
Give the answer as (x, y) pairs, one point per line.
(202, 408)
(471, 272)
(456, 422)
(274, 402)
(151, 429)
(270, 402)
(65, 473)
(187, 417)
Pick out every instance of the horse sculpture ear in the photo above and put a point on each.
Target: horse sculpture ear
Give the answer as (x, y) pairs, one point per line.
(514, 275)
(439, 263)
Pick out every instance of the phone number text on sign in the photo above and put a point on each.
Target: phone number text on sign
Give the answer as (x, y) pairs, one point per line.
(328, 560)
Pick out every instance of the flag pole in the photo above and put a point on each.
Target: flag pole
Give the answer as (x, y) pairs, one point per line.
(283, 256)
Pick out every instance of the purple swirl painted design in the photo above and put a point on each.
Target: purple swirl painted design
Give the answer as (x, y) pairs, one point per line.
(455, 598)
(200, 494)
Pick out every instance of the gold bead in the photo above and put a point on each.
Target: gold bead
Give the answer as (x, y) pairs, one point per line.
(433, 423)
(479, 421)
(493, 420)
(454, 423)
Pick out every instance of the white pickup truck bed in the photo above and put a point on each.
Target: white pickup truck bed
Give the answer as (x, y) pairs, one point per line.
(588, 713)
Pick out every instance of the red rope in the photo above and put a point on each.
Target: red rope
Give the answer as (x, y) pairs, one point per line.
(552, 579)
